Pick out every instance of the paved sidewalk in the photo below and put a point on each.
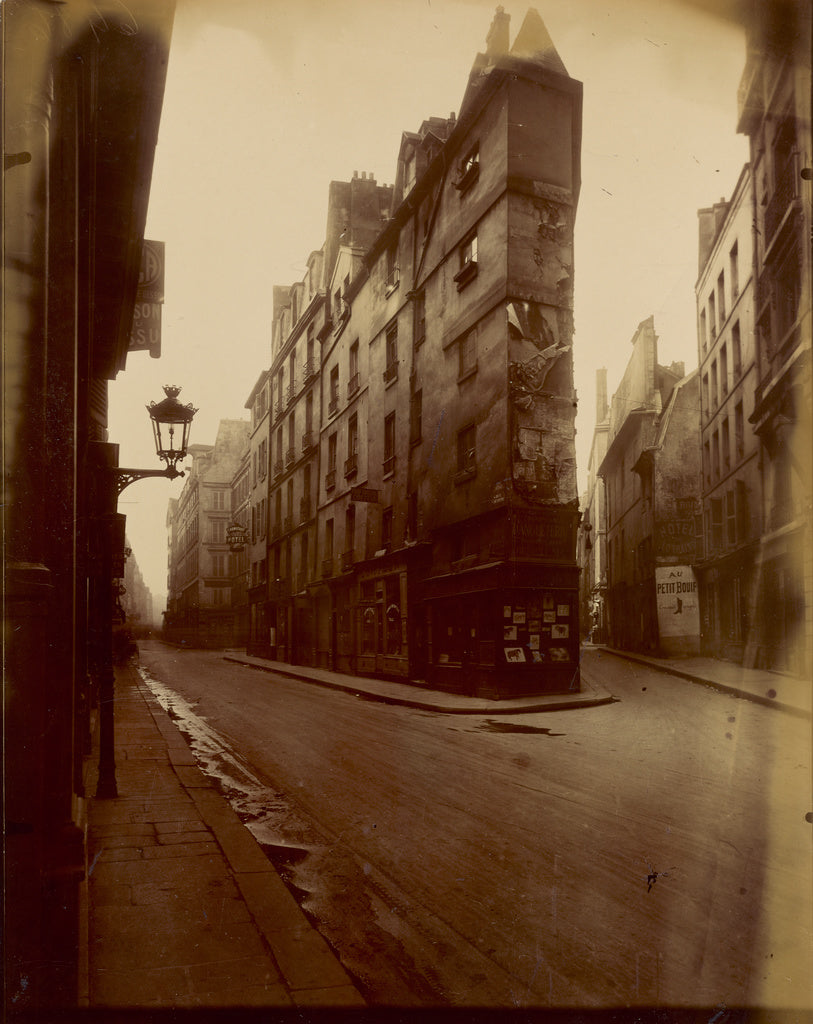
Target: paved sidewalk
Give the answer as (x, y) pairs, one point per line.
(417, 695)
(773, 689)
(183, 907)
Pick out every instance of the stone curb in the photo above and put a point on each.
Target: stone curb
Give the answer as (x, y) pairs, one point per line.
(731, 691)
(553, 703)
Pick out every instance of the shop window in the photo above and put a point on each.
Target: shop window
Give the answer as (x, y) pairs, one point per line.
(392, 615)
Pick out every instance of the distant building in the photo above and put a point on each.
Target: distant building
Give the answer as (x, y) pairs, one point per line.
(774, 112)
(651, 473)
(592, 541)
(258, 403)
(731, 476)
(199, 602)
(135, 598)
(240, 569)
(428, 531)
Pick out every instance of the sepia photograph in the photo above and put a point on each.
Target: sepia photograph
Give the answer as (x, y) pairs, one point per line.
(407, 573)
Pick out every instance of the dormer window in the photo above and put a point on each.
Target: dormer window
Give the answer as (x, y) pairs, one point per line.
(468, 170)
(410, 170)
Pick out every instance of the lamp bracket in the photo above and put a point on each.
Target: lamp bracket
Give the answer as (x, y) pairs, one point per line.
(125, 477)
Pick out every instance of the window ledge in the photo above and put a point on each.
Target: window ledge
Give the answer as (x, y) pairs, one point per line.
(466, 274)
(467, 375)
(464, 475)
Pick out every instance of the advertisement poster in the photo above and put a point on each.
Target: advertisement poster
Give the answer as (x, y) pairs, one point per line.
(677, 601)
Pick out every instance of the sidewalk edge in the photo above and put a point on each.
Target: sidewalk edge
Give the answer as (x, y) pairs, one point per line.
(499, 707)
(732, 691)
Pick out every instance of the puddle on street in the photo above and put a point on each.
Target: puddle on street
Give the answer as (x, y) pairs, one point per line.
(505, 727)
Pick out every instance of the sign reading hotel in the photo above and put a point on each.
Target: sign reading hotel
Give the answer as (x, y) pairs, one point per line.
(677, 601)
(145, 334)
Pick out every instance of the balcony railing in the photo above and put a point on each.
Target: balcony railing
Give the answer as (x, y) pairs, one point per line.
(327, 566)
(347, 560)
(309, 371)
(352, 385)
(351, 465)
(330, 479)
(291, 392)
(278, 467)
(333, 405)
(290, 455)
(307, 441)
(391, 372)
(287, 524)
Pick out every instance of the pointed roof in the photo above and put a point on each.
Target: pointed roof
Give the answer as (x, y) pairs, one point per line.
(533, 42)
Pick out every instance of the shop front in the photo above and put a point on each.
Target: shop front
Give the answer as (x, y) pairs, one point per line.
(503, 630)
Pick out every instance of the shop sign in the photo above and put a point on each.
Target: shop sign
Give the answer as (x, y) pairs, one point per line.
(675, 537)
(145, 333)
(367, 494)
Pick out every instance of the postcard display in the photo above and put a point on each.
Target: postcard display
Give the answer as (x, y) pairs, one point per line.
(538, 629)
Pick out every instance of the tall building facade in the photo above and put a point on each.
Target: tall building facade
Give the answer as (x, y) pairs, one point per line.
(425, 527)
(731, 475)
(651, 474)
(82, 99)
(774, 112)
(592, 541)
(199, 602)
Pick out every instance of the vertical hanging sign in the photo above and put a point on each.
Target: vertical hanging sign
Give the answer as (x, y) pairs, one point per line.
(145, 334)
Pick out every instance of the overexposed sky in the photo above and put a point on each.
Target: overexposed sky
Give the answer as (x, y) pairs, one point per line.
(267, 101)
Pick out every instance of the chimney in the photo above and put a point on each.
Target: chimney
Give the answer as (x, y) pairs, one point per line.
(601, 395)
(497, 38)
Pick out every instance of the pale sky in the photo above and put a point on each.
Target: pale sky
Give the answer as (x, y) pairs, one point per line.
(267, 101)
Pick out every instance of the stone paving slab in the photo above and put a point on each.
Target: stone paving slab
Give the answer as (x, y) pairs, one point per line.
(184, 909)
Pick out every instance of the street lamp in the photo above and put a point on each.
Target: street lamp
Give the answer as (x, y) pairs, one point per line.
(171, 423)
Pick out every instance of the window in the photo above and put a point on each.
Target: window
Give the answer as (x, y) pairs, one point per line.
(329, 538)
(415, 415)
(467, 354)
(330, 476)
(706, 396)
(466, 453)
(707, 461)
(391, 354)
(468, 170)
(726, 444)
(715, 454)
(303, 560)
(723, 370)
(351, 465)
(289, 507)
(731, 518)
(218, 531)
(410, 165)
(391, 270)
(739, 431)
(412, 515)
(704, 340)
(389, 444)
(309, 413)
(419, 320)
(353, 370)
(721, 298)
(715, 396)
(386, 528)
(333, 392)
(712, 317)
(717, 523)
(290, 455)
(734, 272)
(349, 529)
(736, 351)
(467, 255)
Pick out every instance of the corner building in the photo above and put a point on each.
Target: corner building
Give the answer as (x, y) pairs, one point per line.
(446, 499)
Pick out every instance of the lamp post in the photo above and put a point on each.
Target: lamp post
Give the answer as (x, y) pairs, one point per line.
(171, 423)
